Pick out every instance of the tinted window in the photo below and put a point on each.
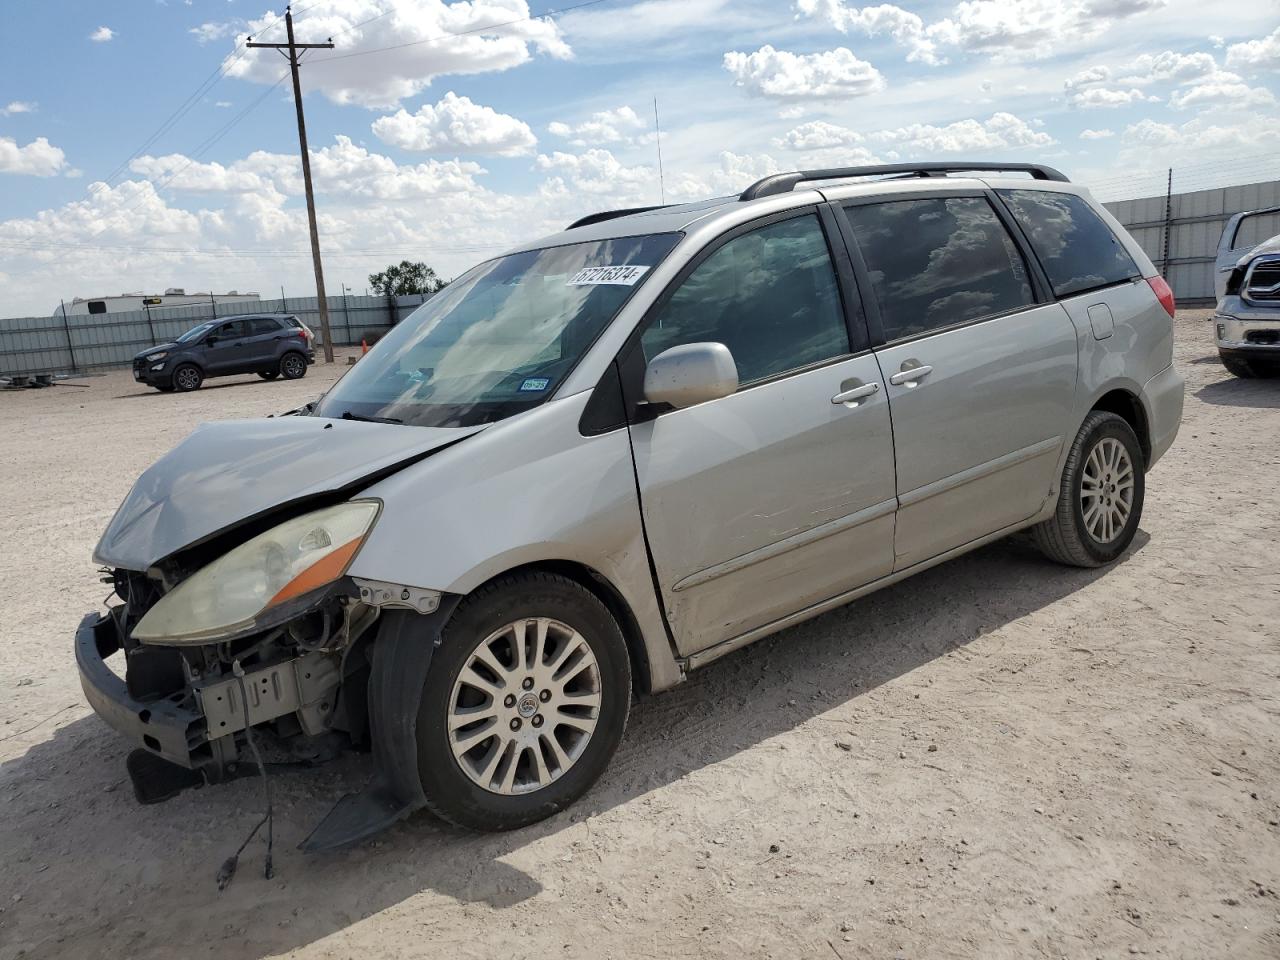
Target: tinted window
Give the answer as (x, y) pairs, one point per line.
(97, 306)
(938, 261)
(261, 325)
(1076, 248)
(770, 296)
(229, 331)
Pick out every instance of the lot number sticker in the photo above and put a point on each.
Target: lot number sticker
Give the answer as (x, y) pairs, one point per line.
(623, 276)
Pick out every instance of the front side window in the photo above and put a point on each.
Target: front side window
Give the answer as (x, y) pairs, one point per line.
(770, 296)
(232, 330)
(500, 339)
(1074, 245)
(195, 333)
(937, 262)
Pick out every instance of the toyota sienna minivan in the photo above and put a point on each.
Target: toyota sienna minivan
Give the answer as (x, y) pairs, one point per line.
(608, 457)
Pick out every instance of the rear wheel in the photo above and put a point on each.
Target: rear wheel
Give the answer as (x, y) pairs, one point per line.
(293, 366)
(524, 705)
(268, 374)
(187, 377)
(1101, 495)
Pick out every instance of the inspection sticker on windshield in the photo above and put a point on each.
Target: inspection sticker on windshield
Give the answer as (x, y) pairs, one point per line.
(534, 384)
(624, 276)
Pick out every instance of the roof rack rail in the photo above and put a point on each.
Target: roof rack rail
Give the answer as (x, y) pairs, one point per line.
(786, 182)
(604, 215)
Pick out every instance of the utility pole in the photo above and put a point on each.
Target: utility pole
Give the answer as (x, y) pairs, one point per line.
(292, 55)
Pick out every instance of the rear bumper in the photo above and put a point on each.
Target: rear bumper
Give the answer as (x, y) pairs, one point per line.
(1164, 397)
(167, 729)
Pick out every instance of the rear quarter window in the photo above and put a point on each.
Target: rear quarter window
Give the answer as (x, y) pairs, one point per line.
(1074, 245)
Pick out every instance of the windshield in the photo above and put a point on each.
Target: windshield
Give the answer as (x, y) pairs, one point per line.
(498, 340)
(195, 333)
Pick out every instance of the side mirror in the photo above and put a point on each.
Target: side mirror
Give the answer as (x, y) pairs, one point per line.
(691, 373)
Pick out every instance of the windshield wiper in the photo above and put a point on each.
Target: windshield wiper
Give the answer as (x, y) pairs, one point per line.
(348, 415)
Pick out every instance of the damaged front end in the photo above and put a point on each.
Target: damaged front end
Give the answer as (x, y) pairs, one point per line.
(270, 637)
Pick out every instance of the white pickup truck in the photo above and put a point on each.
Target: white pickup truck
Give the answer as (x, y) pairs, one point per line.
(1247, 321)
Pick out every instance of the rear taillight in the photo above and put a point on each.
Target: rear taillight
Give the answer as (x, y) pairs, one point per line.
(302, 334)
(1163, 294)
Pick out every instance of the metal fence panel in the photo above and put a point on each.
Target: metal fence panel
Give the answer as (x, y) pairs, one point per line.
(1195, 225)
(84, 342)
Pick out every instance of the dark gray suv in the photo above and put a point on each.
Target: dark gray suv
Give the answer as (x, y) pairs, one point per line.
(270, 345)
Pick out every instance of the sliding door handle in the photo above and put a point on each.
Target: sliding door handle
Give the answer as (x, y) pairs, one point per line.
(856, 394)
(909, 377)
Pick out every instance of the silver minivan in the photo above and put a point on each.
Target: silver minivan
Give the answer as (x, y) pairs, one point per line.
(613, 455)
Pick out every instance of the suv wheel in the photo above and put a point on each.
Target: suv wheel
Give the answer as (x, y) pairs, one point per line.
(524, 704)
(187, 377)
(293, 366)
(1101, 495)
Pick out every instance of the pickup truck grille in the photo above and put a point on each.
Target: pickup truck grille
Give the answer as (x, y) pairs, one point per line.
(1264, 281)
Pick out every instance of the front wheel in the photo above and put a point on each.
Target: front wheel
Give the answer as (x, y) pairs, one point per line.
(524, 705)
(1101, 495)
(187, 377)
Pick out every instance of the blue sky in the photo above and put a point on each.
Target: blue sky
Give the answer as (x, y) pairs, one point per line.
(446, 131)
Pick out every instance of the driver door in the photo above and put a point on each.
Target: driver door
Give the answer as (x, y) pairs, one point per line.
(780, 496)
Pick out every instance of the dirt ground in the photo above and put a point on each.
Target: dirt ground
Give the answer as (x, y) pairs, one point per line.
(998, 758)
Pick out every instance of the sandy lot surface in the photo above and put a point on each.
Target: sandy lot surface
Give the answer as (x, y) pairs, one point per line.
(998, 758)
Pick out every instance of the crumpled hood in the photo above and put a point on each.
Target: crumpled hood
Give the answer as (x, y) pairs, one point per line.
(1266, 246)
(228, 472)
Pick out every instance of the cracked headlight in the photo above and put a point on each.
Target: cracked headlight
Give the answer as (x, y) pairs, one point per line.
(288, 561)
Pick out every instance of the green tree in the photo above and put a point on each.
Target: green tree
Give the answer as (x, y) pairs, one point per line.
(404, 278)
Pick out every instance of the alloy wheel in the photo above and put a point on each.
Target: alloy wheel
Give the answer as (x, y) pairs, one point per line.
(294, 367)
(524, 706)
(1106, 490)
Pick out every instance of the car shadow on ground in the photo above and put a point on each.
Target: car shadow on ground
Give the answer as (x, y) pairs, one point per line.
(1233, 392)
(252, 380)
(68, 797)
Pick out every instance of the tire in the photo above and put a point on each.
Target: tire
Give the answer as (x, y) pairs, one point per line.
(1239, 368)
(187, 377)
(1068, 537)
(458, 795)
(165, 387)
(293, 366)
(268, 374)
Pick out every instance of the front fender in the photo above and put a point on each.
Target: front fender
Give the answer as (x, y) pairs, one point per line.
(526, 490)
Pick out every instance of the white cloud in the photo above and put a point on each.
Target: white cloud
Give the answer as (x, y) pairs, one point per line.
(418, 41)
(456, 125)
(1005, 29)
(598, 171)
(39, 158)
(1225, 90)
(817, 135)
(606, 126)
(812, 76)
(102, 35)
(1108, 97)
(997, 132)
(222, 104)
(905, 27)
(17, 106)
(1169, 66)
(1096, 134)
(208, 32)
(1261, 54)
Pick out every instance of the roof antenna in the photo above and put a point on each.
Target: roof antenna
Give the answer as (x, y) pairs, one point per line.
(662, 186)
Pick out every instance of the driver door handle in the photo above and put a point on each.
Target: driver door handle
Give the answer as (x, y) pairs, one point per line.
(910, 376)
(856, 394)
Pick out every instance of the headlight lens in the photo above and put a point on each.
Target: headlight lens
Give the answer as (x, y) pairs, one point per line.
(287, 561)
(158, 356)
